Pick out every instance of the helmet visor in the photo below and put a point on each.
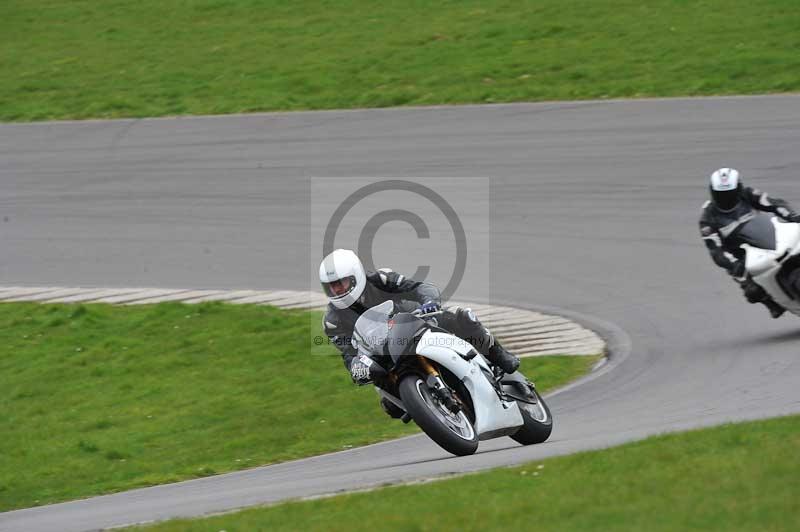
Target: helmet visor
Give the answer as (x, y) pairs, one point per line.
(339, 287)
(725, 199)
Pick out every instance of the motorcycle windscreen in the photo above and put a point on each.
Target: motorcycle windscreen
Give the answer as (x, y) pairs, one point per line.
(758, 232)
(403, 335)
(372, 329)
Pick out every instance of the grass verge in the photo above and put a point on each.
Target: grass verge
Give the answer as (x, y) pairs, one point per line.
(100, 398)
(80, 59)
(735, 477)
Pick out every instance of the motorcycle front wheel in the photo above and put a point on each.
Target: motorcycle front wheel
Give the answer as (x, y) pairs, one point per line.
(453, 432)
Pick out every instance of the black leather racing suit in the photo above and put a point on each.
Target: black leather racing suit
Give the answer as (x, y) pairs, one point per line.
(408, 295)
(718, 229)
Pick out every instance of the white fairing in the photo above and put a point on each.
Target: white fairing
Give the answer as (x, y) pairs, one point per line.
(491, 414)
(763, 264)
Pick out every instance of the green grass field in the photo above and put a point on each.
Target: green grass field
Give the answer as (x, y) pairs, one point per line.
(736, 477)
(98, 398)
(81, 58)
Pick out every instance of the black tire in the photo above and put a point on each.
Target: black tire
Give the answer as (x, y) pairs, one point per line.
(794, 279)
(426, 413)
(538, 422)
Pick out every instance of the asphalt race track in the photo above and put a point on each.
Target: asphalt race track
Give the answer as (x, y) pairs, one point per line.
(594, 210)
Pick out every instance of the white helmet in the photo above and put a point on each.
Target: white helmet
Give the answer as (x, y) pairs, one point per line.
(725, 188)
(343, 278)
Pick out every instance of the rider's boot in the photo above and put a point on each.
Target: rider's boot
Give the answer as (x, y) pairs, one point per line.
(500, 356)
(391, 409)
(756, 294)
(775, 310)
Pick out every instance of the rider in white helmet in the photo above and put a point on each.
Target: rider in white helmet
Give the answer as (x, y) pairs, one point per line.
(730, 206)
(343, 278)
(351, 290)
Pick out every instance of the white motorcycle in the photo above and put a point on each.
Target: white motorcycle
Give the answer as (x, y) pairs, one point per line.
(447, 387)
(772, 257)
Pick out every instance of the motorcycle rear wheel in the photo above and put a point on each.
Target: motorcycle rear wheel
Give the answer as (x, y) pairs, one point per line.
(452, 432)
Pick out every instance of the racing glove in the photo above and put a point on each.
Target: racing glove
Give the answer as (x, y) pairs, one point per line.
(364, 370)
(429, 306)
(739, 272)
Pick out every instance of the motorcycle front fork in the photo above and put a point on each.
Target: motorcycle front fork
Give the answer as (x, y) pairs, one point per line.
(438, 387)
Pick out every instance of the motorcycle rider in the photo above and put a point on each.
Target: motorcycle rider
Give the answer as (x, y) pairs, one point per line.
(351, 290)
(731, 205)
